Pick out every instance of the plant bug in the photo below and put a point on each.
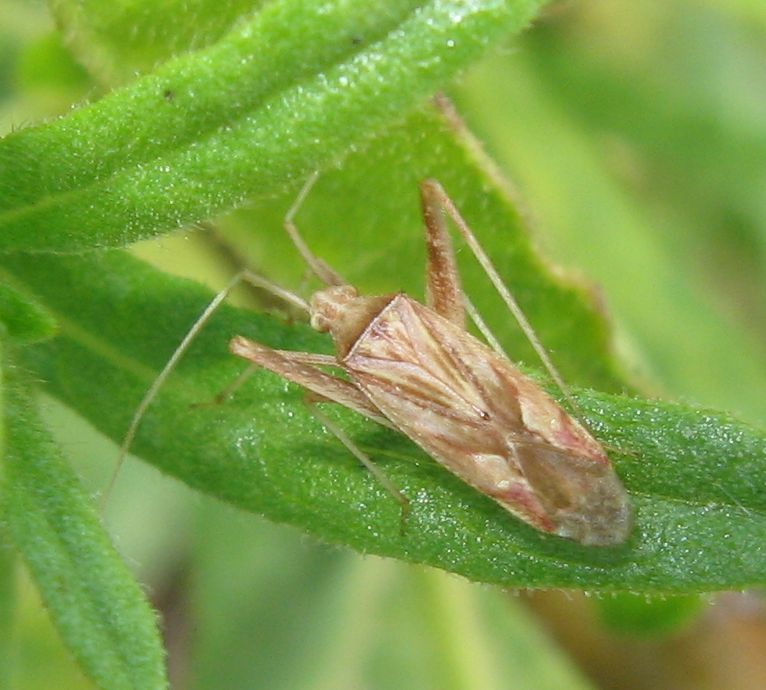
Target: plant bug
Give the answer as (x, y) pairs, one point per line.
(415, 368)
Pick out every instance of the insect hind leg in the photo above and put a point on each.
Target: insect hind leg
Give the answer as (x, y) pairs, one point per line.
(433, 191)
(444, 293)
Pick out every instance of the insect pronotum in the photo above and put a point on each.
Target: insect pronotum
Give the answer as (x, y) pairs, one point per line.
(415, 368)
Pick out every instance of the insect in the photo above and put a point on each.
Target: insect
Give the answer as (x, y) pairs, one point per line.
(415, 368)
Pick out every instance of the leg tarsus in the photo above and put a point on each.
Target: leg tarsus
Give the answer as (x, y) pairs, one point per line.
(360, 455)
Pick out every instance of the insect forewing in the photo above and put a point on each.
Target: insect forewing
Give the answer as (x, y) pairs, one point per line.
(480, 417)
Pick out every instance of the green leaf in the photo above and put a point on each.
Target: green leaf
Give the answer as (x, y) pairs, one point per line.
(97, 606)
(695, 477)
(119, 39)
(667, 124)
(638, 615)
(484, 639)
(7, 565)
(23, 319)
(47, 65)
(671, 316)
(362, 622)
(283, 94)
(7, 608)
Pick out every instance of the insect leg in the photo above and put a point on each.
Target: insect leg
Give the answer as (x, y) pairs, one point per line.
(326, 274)
(365, 459)
(301, 357)
(433, 190)
(223, 395)
(311, 358)
(443, 291)
(478, 320)
(300, 368)
(170, 365)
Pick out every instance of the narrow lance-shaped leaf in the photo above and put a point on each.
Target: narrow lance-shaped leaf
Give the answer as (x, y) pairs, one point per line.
(695, 478)
(118, 40)
(298, 85)
(7, 607)
(7, 564)
(97, 606)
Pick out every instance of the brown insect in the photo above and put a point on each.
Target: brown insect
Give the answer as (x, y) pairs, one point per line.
(415, 368)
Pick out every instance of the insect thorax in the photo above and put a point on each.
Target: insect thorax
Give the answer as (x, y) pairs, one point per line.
(340, 311)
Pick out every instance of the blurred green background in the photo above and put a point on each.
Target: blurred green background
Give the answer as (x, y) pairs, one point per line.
(635, 134)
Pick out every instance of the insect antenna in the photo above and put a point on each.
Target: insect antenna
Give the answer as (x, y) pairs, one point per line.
(322, 271)
(205, 316)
